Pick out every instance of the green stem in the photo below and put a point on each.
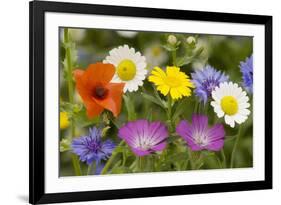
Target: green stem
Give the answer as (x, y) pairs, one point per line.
(76, 165)
(199, 162)
(235, 147)
(223, 158)
(169, 112)
(141, 161)
(91, 168)
(124, 158)
(75, 161)
(191, 159)
(219, 162)
(206, 108)
(68, 65)
(110, 160)
(199, 108)
(174, 57)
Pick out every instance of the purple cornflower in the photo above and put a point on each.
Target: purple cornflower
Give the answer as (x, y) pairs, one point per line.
(199, 135)
(91, 148)
(206, 80)
(246, 68)
(144, 137)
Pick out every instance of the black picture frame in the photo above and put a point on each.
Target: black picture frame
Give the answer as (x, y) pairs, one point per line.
(37, 194)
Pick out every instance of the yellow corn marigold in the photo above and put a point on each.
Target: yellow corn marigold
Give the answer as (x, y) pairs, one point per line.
(64, 121)
(172, 81)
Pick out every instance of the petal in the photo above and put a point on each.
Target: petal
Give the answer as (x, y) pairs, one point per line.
(216, 145)
(83, 90)
(172, 70)
(193, 146)
(98, 73)
(140, 152)
(200, 123)
(216, 137)
(129, 134)
(229, 120)
(159, 72)
(184, 91)
(113, 100)
(93, 109)
(156, 80)
(164, 89)
(217, 109)
(174, 93)
(216, 132)
(240, 118)
(184, 129)
(159, 147)
(158, 133)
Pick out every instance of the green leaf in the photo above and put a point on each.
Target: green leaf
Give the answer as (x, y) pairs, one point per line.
(149, 115)
(181, 61)
(169, 47)
(81, 119)
(120, 170)
(154, 100)
(130, 108)
(105, 130)
(179, 109)
(198, 52)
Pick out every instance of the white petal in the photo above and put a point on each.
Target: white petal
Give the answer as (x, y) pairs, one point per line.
(239, 118)
(243, 105)
(229, 120)
(216, 95)
(217, 109)
(243, 99)
(245, 112)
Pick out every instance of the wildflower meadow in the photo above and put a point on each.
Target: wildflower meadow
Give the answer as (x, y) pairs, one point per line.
(138, 101)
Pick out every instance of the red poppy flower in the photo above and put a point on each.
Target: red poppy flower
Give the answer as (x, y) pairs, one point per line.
(96, 91)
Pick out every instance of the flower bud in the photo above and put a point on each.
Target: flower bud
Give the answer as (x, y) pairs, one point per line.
(172, 40)
(191, 40)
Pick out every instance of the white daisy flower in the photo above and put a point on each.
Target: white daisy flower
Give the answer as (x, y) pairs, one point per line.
(127, 34)
(155, 55)
(130, 67)
(231, 102)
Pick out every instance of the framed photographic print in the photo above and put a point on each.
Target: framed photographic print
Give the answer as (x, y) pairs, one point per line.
(140, 102)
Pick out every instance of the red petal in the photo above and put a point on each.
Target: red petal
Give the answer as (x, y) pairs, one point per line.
(114, 99)
(98, 73)
(93, 110)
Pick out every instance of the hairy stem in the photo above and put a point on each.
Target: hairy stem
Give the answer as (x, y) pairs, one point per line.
(223, 158)
(174, 57)
(235, 147)
(75, 161)
(169, 113)
(91, 168)
(110, 160)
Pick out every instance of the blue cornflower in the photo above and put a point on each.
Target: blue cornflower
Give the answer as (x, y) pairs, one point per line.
(246, 68)
(206, 80)
(91, 148)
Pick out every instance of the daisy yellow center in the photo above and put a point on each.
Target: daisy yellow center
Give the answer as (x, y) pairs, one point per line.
(156, 51)
(229, 105)
(126, 70)
(172, 81)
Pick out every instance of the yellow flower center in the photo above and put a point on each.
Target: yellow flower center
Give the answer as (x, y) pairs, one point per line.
(156, 51)
(229, 105)
(172, 81)
(126, 70)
